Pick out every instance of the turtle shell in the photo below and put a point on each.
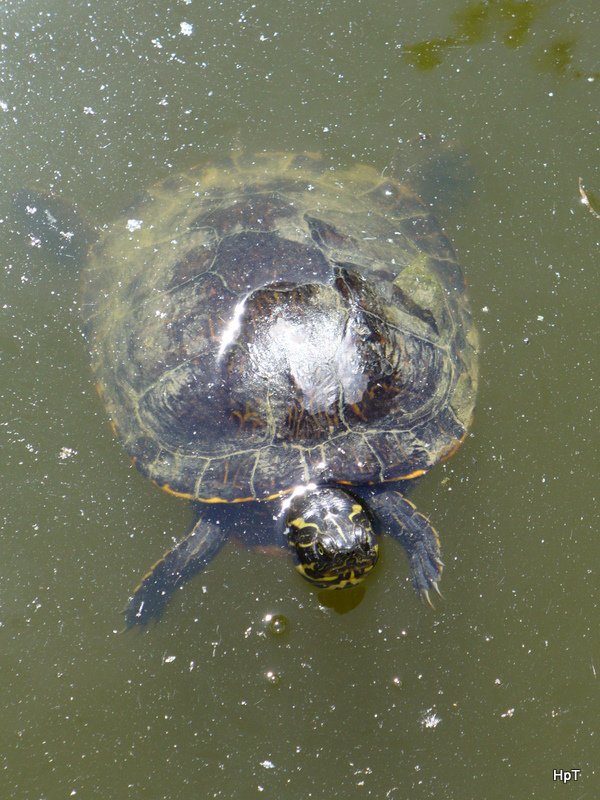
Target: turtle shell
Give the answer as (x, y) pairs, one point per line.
(267, 321)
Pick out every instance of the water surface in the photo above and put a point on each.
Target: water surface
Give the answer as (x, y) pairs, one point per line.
(498, 687)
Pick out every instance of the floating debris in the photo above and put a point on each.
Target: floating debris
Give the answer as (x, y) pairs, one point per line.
(589, 200)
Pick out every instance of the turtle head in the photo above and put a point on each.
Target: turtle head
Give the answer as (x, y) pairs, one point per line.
(331, 535)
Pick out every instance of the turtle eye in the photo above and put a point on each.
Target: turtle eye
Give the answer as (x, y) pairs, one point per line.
(320, 549)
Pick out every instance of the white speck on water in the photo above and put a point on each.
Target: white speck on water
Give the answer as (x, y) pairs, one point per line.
(186, 28)
(157, 43)
(89, 110)
(267, 764)
(66, 452)
(485, 309)
(134, 225)
(169, 659)
(540, 317)
(508, 713)
(430, 719)
(3, 105)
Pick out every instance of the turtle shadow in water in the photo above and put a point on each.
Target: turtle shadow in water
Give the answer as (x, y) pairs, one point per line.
(342, 601)
(439, 170)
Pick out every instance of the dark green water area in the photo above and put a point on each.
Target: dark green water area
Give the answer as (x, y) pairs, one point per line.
(252, 686)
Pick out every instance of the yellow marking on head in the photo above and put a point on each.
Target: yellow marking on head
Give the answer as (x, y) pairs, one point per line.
(351, 580)
(301, 523)
(302, 569)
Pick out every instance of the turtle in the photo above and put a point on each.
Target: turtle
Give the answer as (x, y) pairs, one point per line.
(275, 333)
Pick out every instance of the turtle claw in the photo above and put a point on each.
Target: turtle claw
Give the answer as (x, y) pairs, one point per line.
(426, 568)
(425, 594)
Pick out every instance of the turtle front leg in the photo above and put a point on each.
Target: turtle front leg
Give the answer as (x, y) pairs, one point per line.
(418, 537)
(187, 558)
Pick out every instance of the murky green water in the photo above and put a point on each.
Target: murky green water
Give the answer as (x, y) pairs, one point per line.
(489, 694)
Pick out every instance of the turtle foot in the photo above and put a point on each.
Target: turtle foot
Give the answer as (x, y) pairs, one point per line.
(178, 565)
(425, 563)
(418, 537)
(148, 601)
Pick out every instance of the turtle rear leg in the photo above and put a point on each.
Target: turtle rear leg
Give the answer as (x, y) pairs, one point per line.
(418, 537)
(187, 558)
(439, 171)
